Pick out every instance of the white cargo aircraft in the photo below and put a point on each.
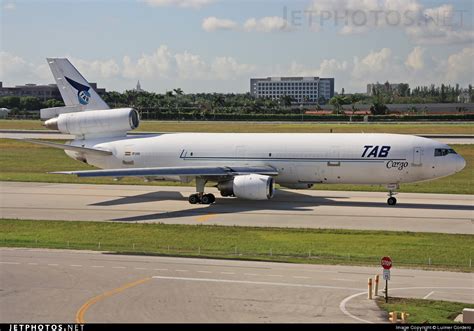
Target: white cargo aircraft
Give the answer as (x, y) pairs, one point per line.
(244, 165)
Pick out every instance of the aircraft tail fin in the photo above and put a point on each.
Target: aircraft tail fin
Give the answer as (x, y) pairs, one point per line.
(74, 89)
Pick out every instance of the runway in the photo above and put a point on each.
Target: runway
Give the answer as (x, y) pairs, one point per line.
(443, 213)
(80, 286)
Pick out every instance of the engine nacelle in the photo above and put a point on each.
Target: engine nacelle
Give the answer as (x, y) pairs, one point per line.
(251, 187)
(95, 121)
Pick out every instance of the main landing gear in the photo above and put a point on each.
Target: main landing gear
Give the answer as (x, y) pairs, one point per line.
(205, 199)
(200, 197)
(392, 201)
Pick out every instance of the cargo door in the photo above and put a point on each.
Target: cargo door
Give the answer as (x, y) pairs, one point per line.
(417, 152)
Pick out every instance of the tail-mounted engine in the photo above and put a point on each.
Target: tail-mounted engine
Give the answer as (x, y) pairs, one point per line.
(97, 122)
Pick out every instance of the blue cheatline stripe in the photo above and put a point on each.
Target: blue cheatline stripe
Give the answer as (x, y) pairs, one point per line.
(230, 158)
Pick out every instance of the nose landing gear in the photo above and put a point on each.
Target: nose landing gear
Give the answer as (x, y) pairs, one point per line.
(392, 201)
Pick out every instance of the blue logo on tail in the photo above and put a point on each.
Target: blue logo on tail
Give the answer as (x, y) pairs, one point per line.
(83, 94)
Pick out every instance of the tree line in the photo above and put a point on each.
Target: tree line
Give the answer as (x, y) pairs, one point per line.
(175, 102)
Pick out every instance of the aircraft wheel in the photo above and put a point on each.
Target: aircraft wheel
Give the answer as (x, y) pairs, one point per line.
(392, 201)
(207, 199)
(213, 198)
(193, 199)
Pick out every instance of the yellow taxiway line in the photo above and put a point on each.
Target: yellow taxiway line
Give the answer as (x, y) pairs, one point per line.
(80, 313)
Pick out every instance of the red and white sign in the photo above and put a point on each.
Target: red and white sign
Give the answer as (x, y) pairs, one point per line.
(386, 262)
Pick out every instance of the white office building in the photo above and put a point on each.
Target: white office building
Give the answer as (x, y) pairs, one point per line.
(301, 89)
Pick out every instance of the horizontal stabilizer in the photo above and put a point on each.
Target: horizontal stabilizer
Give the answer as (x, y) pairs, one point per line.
(86, 150)
(47, 113)
(174, 171)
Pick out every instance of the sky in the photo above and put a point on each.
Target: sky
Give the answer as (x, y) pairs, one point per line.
(218, 45)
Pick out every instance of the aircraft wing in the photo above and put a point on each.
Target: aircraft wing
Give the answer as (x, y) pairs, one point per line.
(174, 171)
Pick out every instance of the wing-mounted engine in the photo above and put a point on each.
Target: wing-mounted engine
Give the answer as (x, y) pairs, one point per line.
(106, 122)
(251, 187)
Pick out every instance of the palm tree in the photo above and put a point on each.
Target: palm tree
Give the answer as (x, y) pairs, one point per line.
(354, 98)
(178, 91)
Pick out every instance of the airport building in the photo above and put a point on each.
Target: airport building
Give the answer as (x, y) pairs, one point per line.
(43, 92)
(301, 89)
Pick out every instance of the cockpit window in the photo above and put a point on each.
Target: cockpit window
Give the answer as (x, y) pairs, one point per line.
(443, 151)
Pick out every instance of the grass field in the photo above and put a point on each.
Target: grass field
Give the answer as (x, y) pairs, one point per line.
(174, 126)
(446, 251)
(20, 161)
(424, 311)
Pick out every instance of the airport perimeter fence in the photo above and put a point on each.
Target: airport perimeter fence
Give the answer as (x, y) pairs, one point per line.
(269, 254)
(268, 117)
(173, 116)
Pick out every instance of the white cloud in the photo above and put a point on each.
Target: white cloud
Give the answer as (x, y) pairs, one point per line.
(377, 65)
(264, 24)
(164, 69)
(9, 6)
(183, 65)
(157, 64)
(327, 68)
(22, 71)
(415, 58)
(460, 66)
(179, 3)
(440, 25)
(423, 25)
(357, 16)
(191, 66)
(97, 69)
(267, 24)
(213, 23)
(10, 64)
(227, 67)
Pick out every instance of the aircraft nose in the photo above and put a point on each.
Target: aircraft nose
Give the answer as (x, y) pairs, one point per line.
(460, 163)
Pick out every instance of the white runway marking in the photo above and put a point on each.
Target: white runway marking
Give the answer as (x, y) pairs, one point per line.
(227, 273)
(118, 267)
(180, 270)
(10, 262)
(32, 263)
(161, 269)
(212, 280)
(140, 268)
(344, 279)
(428, 295)
(75, 265)
(301, 277)
(53, 264)
(205, 272)
(342, 305)
(97, 266)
